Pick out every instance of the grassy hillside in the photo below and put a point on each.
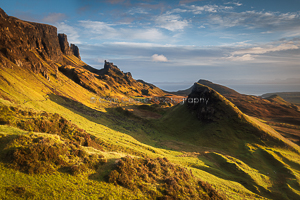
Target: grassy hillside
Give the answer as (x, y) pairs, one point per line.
(228, 155)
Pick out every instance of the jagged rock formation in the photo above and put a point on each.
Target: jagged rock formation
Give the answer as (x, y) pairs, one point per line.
(65, 48)
(75, 51)
(39, 49)
(32, 45)
(124, 81)
(64, 44)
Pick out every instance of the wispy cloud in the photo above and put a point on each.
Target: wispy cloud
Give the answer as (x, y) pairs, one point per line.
(253, 19)
(171, 22)
(270, 48)
(115, 1)
(234, 3)
(137, 10)
(188, 1)
(72, 32)
(54, 17)
(246, 57)
(102, 30)
(250, 54)
(207, 8)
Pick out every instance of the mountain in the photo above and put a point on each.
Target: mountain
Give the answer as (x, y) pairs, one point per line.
(39, 49)
(220, 88)
(66, 133)
(277, 110)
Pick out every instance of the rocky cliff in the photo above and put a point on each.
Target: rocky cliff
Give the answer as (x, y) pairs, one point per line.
(41, 50)
(22, 43)
(66, 48)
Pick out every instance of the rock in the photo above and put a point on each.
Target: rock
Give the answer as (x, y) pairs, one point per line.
(3, 14)
(19, 38)
(64, 44)
(75, 50)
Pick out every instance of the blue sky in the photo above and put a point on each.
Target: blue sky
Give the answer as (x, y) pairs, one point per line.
(179, 42)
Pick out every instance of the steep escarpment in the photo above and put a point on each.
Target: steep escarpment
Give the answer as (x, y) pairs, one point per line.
(66, 48)
(38, 48)
(32, 46)
(20, 40)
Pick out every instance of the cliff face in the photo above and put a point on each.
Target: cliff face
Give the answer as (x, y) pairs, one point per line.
(32, 45)
(75, 50)
(20, 38)
(39, 49)
(65, 48)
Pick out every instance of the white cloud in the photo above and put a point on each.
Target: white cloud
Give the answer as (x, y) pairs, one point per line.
(70, 31)
(249, 54)
(207, 8)
(159, 58)
(262, 50)
(98, 27)
(245, 57)
(102, 30)
(171, 22)
(137, 10)
(234, 3)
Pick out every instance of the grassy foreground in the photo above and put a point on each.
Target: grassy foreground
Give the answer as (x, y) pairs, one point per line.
(92, 149)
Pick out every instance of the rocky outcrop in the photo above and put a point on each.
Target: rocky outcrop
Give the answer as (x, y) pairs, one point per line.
(64, 44)
(33, 46)
(65, 48)
(210, 106)
(20, 38)
(75, 50)
(118, 79)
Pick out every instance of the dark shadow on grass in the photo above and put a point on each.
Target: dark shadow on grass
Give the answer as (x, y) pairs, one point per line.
(115, 118)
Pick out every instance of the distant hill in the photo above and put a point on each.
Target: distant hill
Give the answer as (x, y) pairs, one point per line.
(220, 88)
(292, 97)
(274, 107)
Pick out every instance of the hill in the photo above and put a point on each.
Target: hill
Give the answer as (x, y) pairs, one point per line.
(65, 132)
(220, 88)
(292, 97)
(270, 109)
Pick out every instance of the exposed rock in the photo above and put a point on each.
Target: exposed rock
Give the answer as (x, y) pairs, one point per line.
(19, 38)
(64, 44)
(3, 14)
(75, 50)
(128, 74)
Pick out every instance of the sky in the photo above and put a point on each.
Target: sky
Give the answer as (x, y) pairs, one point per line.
(175, 43)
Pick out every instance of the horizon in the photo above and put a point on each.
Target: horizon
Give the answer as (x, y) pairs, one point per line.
(226, 42)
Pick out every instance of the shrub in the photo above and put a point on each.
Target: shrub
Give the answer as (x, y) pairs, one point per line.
(46, 123)
(42, 153)
(158, 178)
